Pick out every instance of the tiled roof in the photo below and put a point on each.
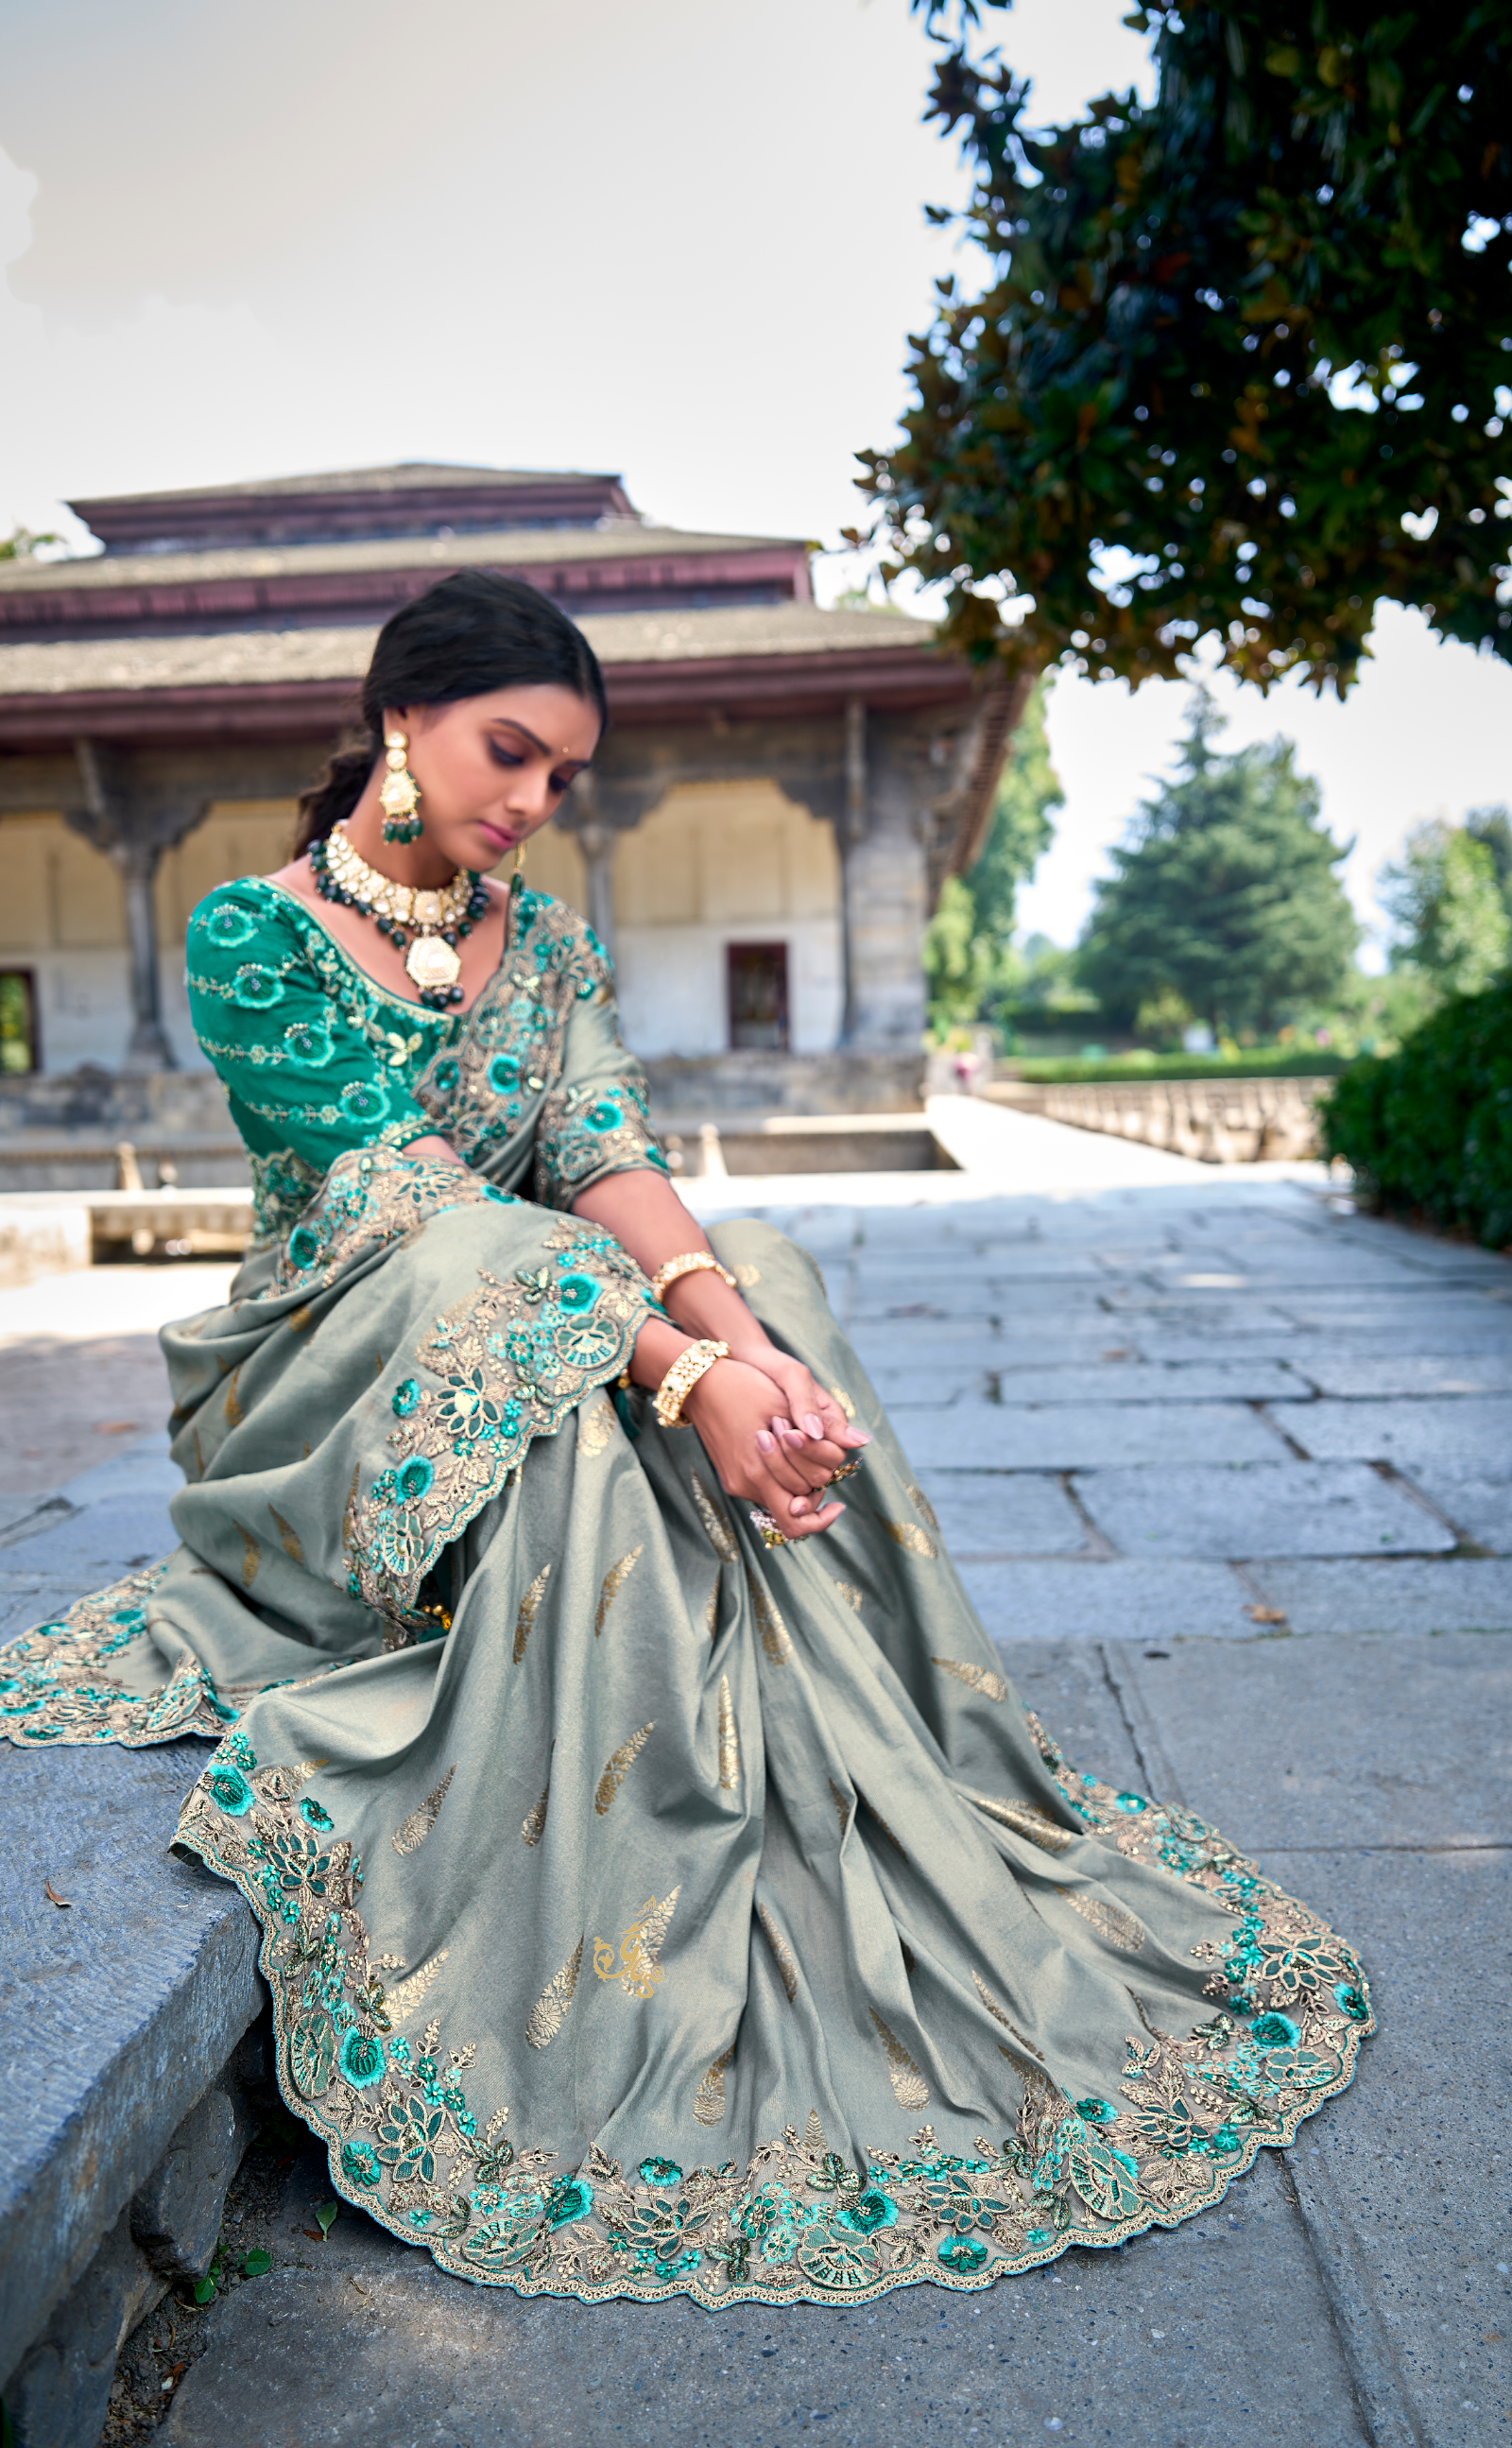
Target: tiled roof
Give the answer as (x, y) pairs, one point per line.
(262, 658)
(407, 475)
(512, 548)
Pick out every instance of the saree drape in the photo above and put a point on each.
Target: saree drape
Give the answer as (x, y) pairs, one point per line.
(645, 1912)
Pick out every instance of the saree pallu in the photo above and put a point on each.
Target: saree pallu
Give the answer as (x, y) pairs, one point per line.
(645, 1912)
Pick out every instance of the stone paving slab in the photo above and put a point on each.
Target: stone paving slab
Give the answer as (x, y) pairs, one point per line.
(1005, 1512)
(1122, 1598)
(1396, 1741)
(1346, 1369)
(1131, 1380)
(1465, 1433)
(1407, 1594)
(1480, 1507)
(1264, 1508)
(1010, 1436)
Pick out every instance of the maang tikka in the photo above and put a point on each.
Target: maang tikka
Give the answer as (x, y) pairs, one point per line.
(400, 795)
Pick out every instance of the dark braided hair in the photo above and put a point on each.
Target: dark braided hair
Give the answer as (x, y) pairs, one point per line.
(468, 635)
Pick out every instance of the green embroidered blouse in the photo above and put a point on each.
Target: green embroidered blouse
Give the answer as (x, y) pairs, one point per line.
(531, 1086)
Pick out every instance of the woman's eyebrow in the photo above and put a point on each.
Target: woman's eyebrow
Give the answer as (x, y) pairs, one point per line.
(507, 721)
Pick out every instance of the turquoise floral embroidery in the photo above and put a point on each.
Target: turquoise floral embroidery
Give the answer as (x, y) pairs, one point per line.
(257, 989)
(1130, 1802)
(1352, 1997)
(1097, 2111)
(315, 1815)
(231, 1791)
(869, 2210)
(568, 2201)
(361, 2059)
(660, 2173)
(959, 2254)
(310, 1042)
(504, 1075)
(229, 926)
(360, 2164)
(364, 1102)
(406, 1397)
(1276, 2032)
(413, 1481)
(304, 1246)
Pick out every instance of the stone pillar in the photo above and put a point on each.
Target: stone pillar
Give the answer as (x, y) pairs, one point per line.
(598, 843)
(133, 829)
(885, 896)
(848, 834)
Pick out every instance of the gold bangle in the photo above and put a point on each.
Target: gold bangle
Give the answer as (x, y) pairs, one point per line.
(681, 1378)
(693, 1262)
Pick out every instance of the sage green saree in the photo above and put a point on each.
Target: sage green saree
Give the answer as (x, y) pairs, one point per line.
(645, 1913)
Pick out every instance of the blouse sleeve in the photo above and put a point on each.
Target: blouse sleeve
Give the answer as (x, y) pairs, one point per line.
(594, 1120)
(293, 1056)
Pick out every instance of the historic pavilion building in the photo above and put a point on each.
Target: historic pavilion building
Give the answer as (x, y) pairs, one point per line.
(781, 791)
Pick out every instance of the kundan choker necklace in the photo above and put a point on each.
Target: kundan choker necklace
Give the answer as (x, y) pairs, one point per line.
(435, 920)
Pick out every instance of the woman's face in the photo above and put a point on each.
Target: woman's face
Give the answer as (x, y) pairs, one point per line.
(493, 770)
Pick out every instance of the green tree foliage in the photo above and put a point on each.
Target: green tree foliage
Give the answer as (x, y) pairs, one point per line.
(1226, 895)
(969, 960)
(1429, 1128)
(1451, 916)
(1240, 368)
(20, 543)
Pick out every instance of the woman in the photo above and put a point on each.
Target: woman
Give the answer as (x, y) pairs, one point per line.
(662, 1889)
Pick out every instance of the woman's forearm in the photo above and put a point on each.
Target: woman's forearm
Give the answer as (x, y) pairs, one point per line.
(649, 1220)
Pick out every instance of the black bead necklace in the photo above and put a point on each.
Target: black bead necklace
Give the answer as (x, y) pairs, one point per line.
(435, 997)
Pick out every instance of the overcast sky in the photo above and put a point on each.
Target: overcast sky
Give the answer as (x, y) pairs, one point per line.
(681, 239)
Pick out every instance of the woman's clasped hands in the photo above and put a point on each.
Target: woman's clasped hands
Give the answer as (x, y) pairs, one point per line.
(775, 1438)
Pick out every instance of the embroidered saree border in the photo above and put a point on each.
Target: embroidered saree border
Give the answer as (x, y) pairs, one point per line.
(798, 2223)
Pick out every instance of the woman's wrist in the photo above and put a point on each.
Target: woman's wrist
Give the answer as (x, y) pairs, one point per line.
(705, 1306)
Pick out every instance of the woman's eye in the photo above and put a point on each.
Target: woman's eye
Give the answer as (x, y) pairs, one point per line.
(502, 755)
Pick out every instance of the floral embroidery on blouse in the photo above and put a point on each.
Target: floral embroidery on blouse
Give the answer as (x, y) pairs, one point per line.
(317, 1059)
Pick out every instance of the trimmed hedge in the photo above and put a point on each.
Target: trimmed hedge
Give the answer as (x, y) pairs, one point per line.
(1431, 1127)
(1314, 1065)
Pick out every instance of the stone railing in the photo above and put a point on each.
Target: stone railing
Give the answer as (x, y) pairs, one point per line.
(1219, 1122)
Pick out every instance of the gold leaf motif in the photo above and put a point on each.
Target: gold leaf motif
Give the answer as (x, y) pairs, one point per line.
(412, 1832)
(618, 1767)
(533, 1826)
(714, 1522)
(842, 1806)
(998, 2014)
(235, 1414)
(851, 1596)
(301, 1773)
(637, 1969)
(289, 1536)
(1026, 1819)
(913, 1540)
(199, 1458)
(377, 1366)
(815, 2138)
(844, 1401)
(872, 1812)
(596, 1426)
(300, 1319)
(922, 1507)
(1119, 1928)
(550, 2012)
(524, 1620)
(251, 1558)
(710, 1615)
(782, 1953)
(729, 1740)
(976, 1678)
(747, 1278)
(614, 1581)
(708, 2100)
(405, 1997)
(773, 1631)
(908, 2087)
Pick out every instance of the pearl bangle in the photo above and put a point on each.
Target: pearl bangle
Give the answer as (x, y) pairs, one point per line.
(695, 1262)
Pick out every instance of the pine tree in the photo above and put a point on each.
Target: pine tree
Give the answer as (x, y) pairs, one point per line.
(1226, 894)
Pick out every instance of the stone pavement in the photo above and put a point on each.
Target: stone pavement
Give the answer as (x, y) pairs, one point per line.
(1227, 1469)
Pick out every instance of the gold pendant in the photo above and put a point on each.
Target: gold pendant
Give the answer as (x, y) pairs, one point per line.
(432, 963)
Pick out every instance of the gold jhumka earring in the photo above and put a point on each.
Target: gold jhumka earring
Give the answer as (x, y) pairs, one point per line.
(400, 795)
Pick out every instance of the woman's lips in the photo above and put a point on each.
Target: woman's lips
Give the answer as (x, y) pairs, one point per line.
(500, 840)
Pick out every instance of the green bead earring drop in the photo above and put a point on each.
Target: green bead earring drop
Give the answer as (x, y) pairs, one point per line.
(400, 795)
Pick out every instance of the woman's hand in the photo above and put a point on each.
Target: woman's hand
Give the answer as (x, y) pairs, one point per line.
(732, 1409)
